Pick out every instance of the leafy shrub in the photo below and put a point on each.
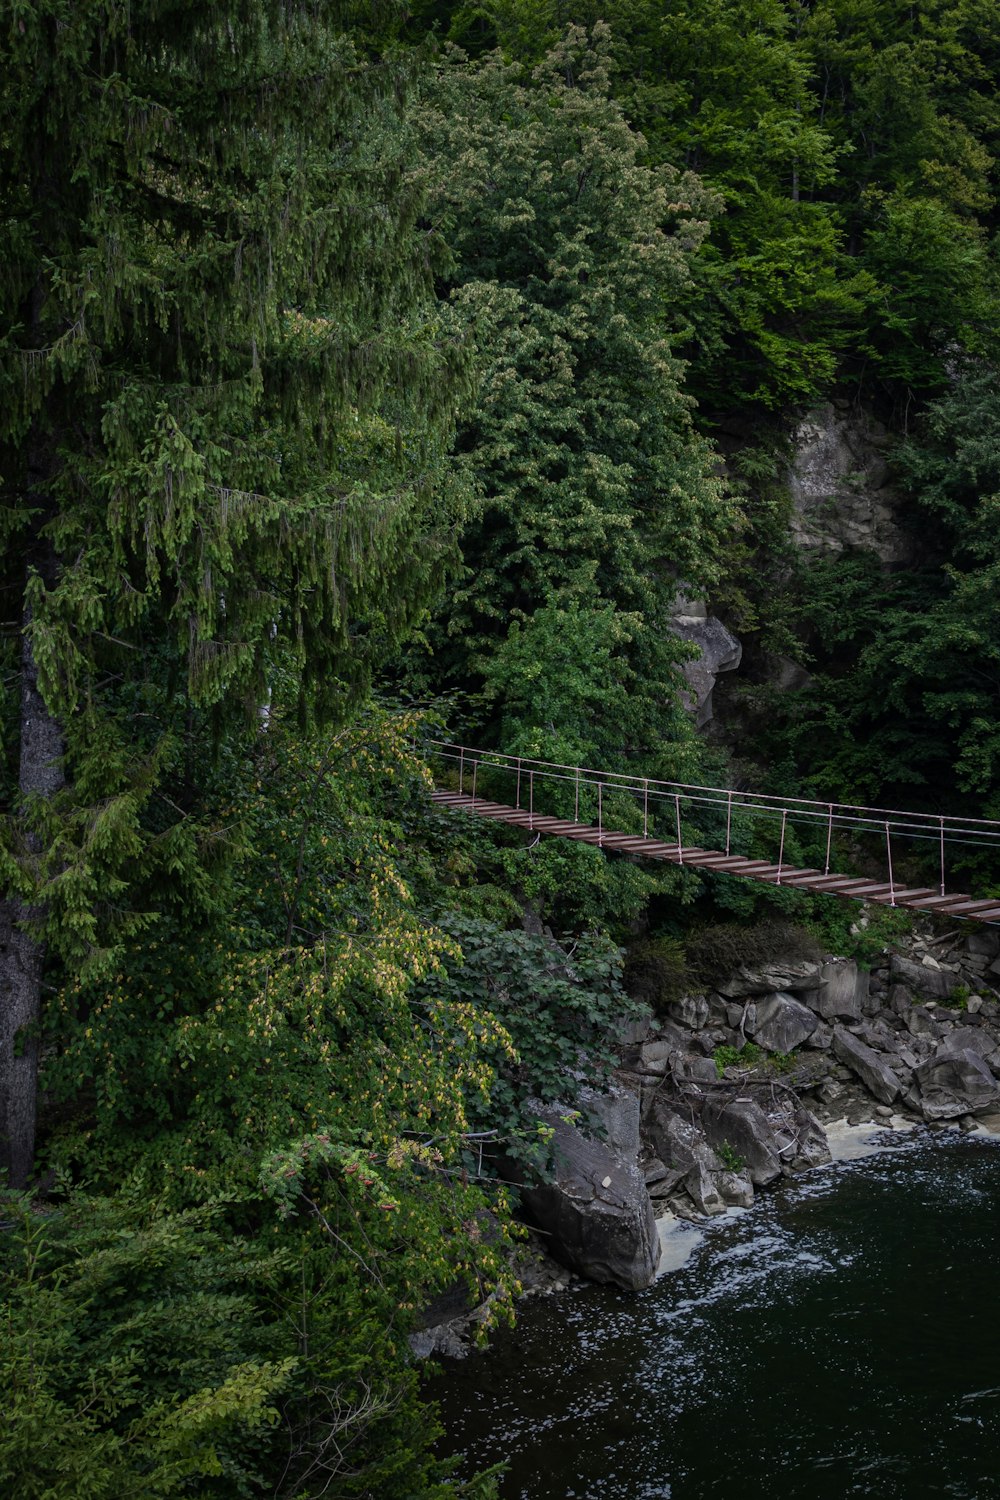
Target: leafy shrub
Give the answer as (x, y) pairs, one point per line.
(656, 971)
(730, 1158)
(561, 1009)
(717, 950)
(730, 1057)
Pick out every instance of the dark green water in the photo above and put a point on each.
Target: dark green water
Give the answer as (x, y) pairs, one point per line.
(841, 1338)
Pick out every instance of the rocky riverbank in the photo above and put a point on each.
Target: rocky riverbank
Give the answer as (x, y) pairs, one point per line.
(729, 1090)
(724, 1092)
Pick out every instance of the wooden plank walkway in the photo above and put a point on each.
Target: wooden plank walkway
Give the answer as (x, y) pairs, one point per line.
(919, 898)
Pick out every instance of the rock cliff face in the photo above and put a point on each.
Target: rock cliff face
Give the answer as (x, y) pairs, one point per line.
(719, 650)
(839, 482)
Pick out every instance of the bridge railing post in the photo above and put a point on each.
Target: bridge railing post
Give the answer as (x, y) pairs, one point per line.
(680, 841)
(941, 821)
(517, 802)
(475, 774)
(600, 814)
(729, 818)
(576, 804)
(781, 846)
(531, 799)
(888, 855)
(461, 771)
(645, 809)
(829, 840)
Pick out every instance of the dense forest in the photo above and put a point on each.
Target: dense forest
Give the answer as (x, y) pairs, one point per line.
(377, 374)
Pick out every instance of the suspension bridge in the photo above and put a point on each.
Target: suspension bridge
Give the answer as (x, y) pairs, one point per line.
(887, 836)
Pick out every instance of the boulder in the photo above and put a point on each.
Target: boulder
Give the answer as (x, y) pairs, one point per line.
(812, 1149)
(704, 1191)
(677, 1142)
(691, 1011)
(743, 1125)
(654, 1056)
(596, 1209)
(683, 1149)
(954, 1083)
(693, 1069)
(783, 976)
(841, 991)
(929, 984)
(873, 1070)
(782, 1023)
(613, 1114)
(984, 942)
(920, 1022)
(971, 1038)
(719, 652)
(736, 1188)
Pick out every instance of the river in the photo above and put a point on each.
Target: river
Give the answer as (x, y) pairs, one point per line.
(840, 1338)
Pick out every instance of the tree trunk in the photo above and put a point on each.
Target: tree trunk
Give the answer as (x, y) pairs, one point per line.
(22, 952)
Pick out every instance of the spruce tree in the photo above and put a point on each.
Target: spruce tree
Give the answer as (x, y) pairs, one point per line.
(224, 389)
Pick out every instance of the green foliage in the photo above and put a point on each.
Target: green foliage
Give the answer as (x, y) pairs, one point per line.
(560, 1007)
(748, 1056)
(715, 950)
(570, 257)
(134, 1354)
(656, 971)
(225, 392)
(301, 1076)
(958, 998)
(729, 1157)
(864, 934)
(854, 147)
(898, 710)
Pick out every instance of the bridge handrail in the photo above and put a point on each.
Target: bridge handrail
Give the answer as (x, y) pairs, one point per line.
(840, 815)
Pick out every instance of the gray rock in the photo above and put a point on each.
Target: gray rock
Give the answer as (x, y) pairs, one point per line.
(654, 1056)
(900, 1000)
(841, 991)
(632, 1033)
(720, 652)
(971, 1038)
(839, 484)
(821, 1039)
(928, 984)
(704, 1192)
(694, 1069)
(718, 1010)
(677, 1142)
(974, 1005)
(955, 1083)
(691, 1010)
(596, 1210)
(442, 1339)
(779, 975)
(877, 1035)
(615, 1113)
(983, 942)
(782, 1023)
(873, 1070)
(742, 1124)
(920, 1022)
(736, 1188)
(812, 1149)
